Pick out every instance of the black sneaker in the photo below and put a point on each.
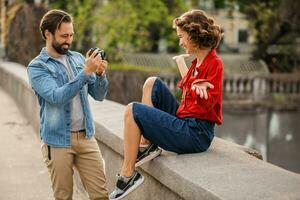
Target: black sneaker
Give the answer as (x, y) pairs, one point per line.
(124, 187)
(149, 153)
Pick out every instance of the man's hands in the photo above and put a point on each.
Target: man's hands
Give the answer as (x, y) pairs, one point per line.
(94, 63)
(201, 89)
(101, 69)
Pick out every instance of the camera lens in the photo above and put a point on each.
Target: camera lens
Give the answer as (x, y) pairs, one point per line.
(102, 53)
(91, 51)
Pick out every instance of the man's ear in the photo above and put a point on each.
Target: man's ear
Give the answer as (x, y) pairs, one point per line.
(48, 34)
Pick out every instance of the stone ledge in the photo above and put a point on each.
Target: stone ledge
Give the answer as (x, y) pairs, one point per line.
(204, 175)
(223, 172)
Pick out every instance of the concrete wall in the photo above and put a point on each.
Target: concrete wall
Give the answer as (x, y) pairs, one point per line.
(225, 171)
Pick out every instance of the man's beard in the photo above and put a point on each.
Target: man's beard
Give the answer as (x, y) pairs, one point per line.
(59, 47)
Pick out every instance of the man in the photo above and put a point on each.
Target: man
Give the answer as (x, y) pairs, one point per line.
(62, 80)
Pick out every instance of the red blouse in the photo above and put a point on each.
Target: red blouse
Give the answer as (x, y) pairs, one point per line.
(211, 70)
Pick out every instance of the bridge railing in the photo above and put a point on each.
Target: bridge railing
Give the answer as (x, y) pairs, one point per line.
(253, 87)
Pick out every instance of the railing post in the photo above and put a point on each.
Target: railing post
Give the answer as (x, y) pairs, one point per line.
(259, 88)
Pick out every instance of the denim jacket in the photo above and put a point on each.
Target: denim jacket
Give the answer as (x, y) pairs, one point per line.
(55, 91)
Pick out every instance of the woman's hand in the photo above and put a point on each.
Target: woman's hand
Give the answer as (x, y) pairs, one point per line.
(201, 89)
(181, 63)
(180, 58)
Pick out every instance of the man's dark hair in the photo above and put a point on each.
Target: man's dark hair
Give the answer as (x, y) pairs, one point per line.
(52, 20)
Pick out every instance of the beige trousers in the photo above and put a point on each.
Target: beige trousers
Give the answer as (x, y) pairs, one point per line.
(86, 157)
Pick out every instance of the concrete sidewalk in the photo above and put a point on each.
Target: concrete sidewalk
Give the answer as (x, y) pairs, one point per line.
(23, 175)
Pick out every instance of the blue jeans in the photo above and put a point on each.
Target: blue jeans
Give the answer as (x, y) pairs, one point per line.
(161, 126)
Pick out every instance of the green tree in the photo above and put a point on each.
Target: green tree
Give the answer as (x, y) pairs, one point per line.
(277, 26)
(138, 26)
(175, 9)
(123, 26)
(84, 20)
(117, 22)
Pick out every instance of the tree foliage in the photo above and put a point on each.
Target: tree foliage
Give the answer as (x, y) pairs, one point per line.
(276, 24)
(84, 20)
(123, 26)
(277, 28)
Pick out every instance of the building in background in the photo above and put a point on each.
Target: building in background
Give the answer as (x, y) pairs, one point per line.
(238, 35)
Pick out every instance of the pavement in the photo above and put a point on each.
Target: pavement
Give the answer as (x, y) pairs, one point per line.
(23, 175)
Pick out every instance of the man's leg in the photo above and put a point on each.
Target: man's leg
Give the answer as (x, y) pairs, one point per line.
(59, 162)
(89, 163)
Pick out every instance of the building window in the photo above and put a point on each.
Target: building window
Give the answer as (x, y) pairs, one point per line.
(243, 36)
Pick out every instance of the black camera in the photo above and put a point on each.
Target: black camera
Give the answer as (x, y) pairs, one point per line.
(99, 51)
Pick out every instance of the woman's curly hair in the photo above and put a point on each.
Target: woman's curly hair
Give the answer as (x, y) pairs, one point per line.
(202, 30)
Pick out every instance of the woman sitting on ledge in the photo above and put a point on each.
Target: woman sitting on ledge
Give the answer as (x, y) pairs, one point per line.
(159, 121)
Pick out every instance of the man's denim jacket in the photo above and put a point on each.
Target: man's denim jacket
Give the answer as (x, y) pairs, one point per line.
(50, 82)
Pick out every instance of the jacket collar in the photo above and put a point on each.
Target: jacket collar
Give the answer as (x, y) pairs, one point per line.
(44, 56)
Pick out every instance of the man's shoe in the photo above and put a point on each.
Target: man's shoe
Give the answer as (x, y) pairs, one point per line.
(124, 187)
(148, 154)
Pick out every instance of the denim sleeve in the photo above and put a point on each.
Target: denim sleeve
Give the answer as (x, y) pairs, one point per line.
(46, 86)
(98, 87)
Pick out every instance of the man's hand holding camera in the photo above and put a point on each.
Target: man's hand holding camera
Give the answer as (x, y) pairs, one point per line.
(95, 62)
(101, 69)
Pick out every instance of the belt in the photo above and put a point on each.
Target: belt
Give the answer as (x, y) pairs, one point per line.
(79, 131)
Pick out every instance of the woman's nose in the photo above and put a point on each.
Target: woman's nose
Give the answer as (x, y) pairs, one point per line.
(180, 44)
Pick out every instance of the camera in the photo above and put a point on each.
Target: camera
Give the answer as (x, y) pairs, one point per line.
(99, 51)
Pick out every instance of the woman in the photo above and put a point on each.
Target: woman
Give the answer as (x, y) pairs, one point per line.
(159, 121)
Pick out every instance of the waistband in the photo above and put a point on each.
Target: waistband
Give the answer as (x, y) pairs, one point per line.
(79, 131)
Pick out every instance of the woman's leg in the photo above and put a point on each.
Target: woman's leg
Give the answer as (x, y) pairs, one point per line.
(156, 94)
(169, 132)
(147, 91)
(132, 134)
(132, 137)
(146, 99)
(129, 179)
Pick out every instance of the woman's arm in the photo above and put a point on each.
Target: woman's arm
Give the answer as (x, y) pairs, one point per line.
(207, 91)
(183, 69)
